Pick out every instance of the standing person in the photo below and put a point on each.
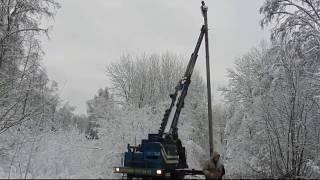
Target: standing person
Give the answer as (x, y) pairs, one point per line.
(213, 168)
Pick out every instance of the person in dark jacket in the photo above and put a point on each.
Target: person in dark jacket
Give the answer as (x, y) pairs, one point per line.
(213, 168)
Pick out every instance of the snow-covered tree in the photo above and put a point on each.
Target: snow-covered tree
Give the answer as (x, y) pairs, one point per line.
(145, 79)
(273, 113)
(100, 109)
(22, 78)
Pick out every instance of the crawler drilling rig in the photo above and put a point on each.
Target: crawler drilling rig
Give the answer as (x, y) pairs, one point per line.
(162, 154)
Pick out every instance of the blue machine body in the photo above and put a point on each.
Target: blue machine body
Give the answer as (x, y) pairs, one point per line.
(148, 157)
(153, 153)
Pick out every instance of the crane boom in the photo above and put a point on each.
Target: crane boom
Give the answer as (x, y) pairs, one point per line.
(181, 92)
(184, 84)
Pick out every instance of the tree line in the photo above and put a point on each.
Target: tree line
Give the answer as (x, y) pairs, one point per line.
(273, 95)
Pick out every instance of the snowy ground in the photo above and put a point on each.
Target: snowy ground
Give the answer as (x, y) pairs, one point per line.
(70, 155)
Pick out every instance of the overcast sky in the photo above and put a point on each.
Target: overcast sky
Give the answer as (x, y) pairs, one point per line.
(87, 35)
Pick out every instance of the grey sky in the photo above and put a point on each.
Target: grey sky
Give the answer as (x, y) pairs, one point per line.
(87, 35)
